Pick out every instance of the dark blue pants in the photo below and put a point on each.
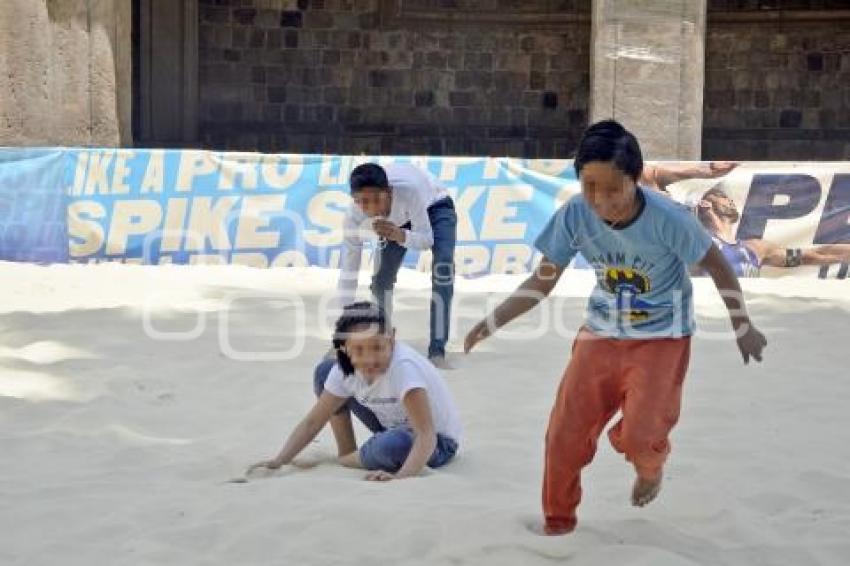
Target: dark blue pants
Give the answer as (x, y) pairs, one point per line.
(444, 226)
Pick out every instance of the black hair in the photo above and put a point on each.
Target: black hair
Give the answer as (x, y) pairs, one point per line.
(609, 141)
(353, 315)
(368, 175)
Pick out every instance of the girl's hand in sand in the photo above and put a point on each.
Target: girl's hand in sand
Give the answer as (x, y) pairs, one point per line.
(380, 475)
(268, 465)
(478, 333)
(751, 342)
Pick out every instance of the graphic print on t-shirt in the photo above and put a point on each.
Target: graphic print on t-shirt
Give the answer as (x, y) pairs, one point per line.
(627, 285)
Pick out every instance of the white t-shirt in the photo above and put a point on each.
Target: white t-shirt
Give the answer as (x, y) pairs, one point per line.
(413, 191)
(384, 397)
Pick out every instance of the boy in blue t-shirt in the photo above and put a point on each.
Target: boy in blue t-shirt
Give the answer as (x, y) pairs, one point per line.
(633, 351)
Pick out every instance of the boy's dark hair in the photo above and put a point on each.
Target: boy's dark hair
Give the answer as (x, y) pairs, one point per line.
(354, 315)
(609, 141)
(368, 175)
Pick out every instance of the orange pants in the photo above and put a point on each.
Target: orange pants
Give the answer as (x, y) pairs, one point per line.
(641, 378)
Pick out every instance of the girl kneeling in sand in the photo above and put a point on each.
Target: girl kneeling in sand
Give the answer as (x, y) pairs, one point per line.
(393, 390)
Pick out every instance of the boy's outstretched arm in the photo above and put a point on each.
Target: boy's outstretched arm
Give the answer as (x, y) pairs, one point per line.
(751, 342)
(533, 290)
(304, 433)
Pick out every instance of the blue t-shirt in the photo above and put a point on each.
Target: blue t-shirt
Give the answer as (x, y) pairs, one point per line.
(642, 284)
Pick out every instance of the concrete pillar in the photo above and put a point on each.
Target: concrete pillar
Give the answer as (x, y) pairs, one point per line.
(647, 71)
(66, 68)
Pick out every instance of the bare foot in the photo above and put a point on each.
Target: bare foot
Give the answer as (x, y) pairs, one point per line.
(645, 490)
(554, 531)
(543, 529)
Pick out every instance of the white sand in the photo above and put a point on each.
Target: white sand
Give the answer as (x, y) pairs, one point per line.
(116, 447)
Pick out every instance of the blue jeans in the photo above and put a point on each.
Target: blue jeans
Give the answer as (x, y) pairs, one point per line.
(388, 449)
(444, 226)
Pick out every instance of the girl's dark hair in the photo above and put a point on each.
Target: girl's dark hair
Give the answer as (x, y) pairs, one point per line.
(368, 175)
(355, 314)
(609, 141)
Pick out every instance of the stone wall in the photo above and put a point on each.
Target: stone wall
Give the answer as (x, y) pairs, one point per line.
(66, 71)
(438, 77)
(777, 87)
(648, 59)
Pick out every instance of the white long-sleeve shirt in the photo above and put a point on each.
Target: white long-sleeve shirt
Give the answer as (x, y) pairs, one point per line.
(413, 191)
